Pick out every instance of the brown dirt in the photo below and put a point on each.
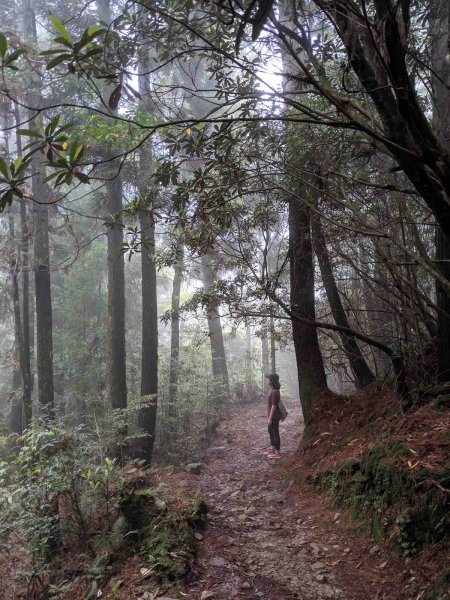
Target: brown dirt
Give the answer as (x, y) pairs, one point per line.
(272, 537)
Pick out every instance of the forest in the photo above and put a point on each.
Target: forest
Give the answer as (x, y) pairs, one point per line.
(195, 195)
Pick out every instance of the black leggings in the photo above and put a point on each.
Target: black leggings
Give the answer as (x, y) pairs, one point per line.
(274, 432)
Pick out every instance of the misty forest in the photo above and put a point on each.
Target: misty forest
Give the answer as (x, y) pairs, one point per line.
(225, 299)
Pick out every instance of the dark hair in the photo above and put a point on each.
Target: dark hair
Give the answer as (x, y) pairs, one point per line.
(274, 380)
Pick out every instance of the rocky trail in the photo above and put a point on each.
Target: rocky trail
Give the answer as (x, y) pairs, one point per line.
(258, 544)
(271, 537)
(262, 541)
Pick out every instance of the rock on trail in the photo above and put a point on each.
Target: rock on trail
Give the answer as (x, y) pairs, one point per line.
(256, 545)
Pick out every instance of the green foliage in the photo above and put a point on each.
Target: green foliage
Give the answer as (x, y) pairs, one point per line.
(9, 56)
(50, 487)
(170, 547)
(78, 55)
(388, 497)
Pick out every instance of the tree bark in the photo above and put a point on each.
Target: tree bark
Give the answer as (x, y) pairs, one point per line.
(440, 40)
(149, 373)
(264, 356)
(273, 351)
(117, 373)
(147, 416)
(311, 373)
(174, 373)
(358, 364)
(21, 407)
(378, 56)
(221, 391)
(44, 322)
(248, 351)
(117, 381)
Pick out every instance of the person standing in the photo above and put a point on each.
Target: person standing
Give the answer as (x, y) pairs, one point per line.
(273, 416)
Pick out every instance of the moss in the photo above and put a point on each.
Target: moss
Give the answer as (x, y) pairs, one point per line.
(442, 403)
(383, 495)
(170, 546)
(440, 588)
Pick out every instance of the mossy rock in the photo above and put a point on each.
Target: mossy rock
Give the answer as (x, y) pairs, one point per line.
(385, 496)
(420, 396)
(440, 588)
(170, 545)
(442, 403)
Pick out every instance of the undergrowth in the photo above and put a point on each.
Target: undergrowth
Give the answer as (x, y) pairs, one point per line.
(382, 493)
(60, 496)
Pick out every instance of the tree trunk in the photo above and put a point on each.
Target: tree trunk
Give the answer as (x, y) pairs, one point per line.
(149, 366)
(273, 352)
(15, 418)
(117, 372)
(25, 271)
(175, 338)
(248, 351)
(44, 323)
(358, 364)
(440, 40)
(378, 54)
(117, 380)
(149, 374)
(264, 356)
(443, 302)
(311, 373)
(221, 391)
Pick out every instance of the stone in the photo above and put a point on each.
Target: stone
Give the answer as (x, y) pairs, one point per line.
(218, 561)
(246, 585)
(198, 536)
(375, 549)
(315, 548)
(195, 468)
(206, 594)
(160, 504)
(146, 572)
(317, 566)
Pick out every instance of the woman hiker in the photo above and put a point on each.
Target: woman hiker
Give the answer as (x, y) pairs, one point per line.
(273, 416)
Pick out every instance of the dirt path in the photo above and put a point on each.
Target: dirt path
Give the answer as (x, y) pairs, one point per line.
(258, 544)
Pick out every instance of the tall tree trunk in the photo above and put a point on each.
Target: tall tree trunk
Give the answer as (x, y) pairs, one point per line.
(311, 372)
(174, 374)
(248, 351)
(16, 417)
(117, 374)
(149, 375)
(44, 322)
(117, 383)
(264, 356)
(310, 368)
(358, 364)
(440, 44)
(25, 271)
(20, 415)
(219, 364)
(24, 402)
(273, 351)
(149, 366)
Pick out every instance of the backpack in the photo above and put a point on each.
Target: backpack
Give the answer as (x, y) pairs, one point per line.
(283, 410)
